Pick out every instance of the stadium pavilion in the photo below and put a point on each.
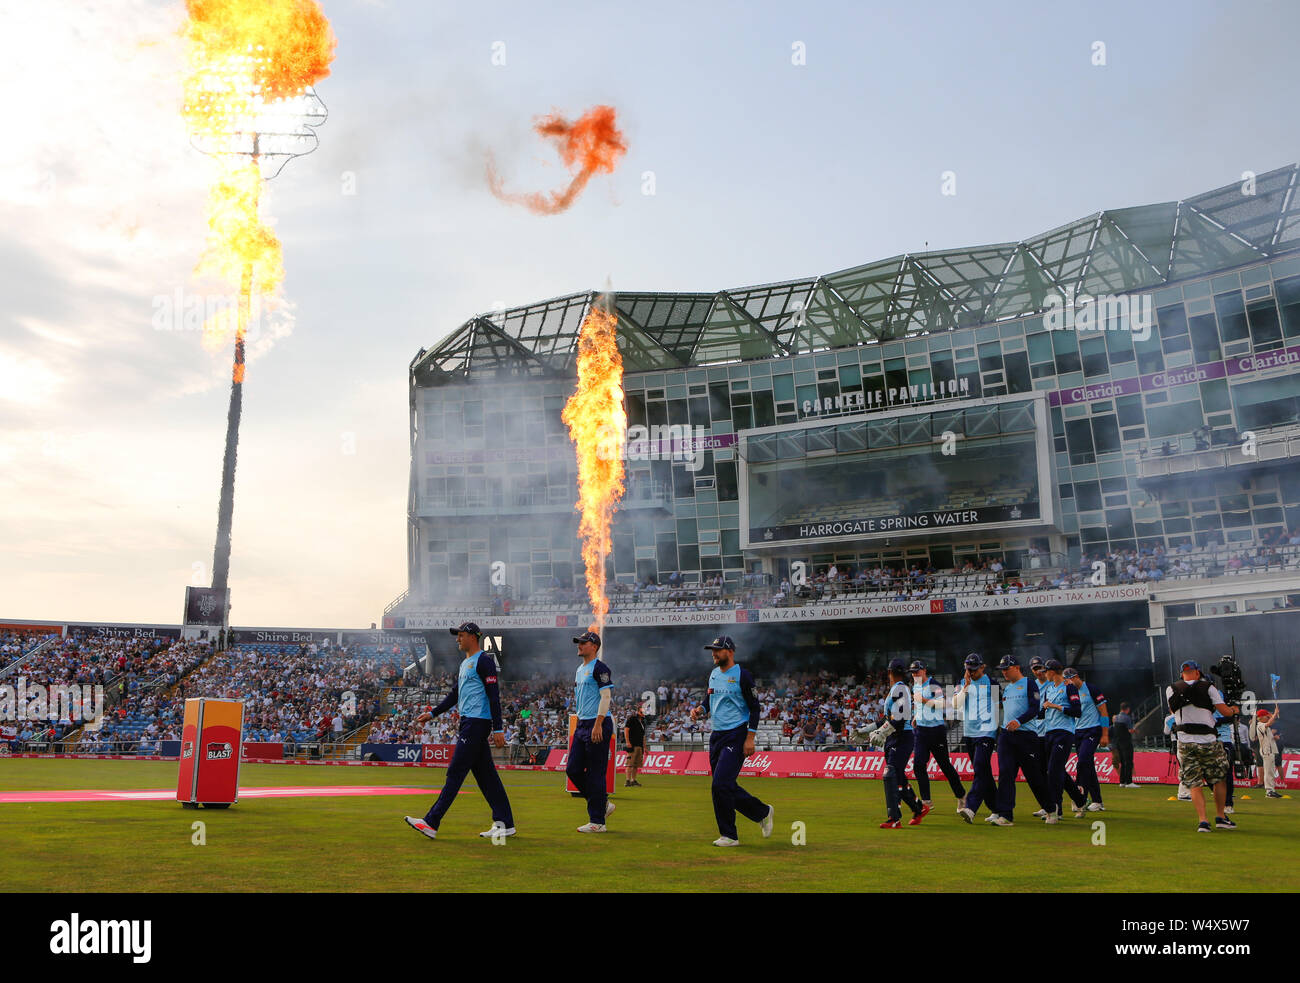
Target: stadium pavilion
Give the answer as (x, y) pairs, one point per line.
(1009, 415)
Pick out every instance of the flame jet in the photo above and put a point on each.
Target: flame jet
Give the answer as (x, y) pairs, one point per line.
(591, 144)
(597, 424)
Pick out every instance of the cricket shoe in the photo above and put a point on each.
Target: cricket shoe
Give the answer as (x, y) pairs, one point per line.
(1228, 810)
(421, 826)
(1204, 828)
(1052, 818)
(1131, 785)
(498, 829)
(1272, 795)
(1077, 810)
(1096, 807)
(1041, 814)
(997, 820)
(966, 814)
(592, 828)
(726, 841)
(766, 824)
(918, 816)
(609, 808)
(1222, 822)
(1184, 798)
(892, 824)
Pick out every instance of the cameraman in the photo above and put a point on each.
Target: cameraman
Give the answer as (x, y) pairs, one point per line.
(1193, 701)
(1262, 734)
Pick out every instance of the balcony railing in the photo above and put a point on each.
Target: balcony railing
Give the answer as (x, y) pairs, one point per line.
(1223, 448)
(638, 495)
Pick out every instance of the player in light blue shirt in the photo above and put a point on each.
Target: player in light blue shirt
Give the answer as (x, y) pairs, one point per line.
(476, 695)
(734, 709)
(593, 688)
(979, 727)
(1061, 708)
(1090, 732)
(931, 732)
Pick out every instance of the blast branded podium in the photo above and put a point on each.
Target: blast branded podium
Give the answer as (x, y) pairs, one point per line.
(209, 773)
(609, 768)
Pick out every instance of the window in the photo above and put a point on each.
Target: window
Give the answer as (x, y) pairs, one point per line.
(1078, 435)
(1232, 316)
(1174, 418)
(1105, 434)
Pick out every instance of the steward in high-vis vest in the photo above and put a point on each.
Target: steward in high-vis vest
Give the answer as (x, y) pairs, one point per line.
(1192, 701)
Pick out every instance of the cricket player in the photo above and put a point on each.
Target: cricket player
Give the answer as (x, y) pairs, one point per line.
(1017, 746)
(1092, 730)
(589, 750)
(979, 728)
(735, 710)
(1060, 702)
(895, 736)
(931, 734)
(1039, 671)
(477, 697)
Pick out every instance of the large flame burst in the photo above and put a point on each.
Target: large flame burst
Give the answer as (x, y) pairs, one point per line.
(597, 424)
(248, 61)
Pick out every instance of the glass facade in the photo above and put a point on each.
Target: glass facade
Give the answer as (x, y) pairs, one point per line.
(494, 472)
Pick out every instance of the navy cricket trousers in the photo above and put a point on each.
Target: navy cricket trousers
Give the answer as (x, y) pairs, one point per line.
(1017, 752)
(588, 762)
(1059, 744)
(898, 748)
(983, 790)
(473, 753)
(933, 742)
(726, 755)
(1086, 741)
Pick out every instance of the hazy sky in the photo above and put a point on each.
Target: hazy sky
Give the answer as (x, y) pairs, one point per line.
(111, 431)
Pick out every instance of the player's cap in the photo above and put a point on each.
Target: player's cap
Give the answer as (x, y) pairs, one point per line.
(1007, 661)
(1052, 665)
(897, 665)
(917, 666)
(1071, 674)
(1036, 662)
(1261, 713)
(468, 626)
(1190, 664)
(587, 636)
(973, 660)
(722, 642)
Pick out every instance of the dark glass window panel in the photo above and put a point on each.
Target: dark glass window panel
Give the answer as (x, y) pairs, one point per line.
(1105, 434)
(1018, 380)
(1079, 435)
(1205, 338)
(726, 481)
(636, 410)
(1171, 320)
(1232, 316)
(1288, 299)
(1265, 328)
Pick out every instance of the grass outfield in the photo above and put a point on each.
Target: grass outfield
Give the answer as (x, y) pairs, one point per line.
(659, 839)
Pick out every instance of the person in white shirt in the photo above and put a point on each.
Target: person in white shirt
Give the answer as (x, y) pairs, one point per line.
(1262, 735)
